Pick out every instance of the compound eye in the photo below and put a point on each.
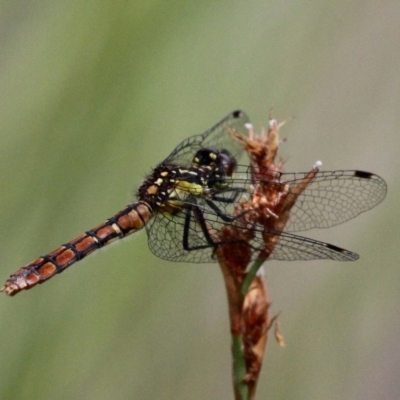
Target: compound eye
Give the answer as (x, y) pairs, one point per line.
(227, 162)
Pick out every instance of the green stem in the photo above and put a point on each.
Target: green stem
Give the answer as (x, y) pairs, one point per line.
(250, 275)
(239, 368)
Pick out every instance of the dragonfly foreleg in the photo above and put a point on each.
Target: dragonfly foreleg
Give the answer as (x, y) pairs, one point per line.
(203, 225)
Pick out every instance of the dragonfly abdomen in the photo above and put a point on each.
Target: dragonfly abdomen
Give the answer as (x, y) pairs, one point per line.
(131, 219)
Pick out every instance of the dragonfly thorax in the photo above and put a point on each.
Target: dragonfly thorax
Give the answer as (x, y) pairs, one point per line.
(169, 186)
(172, 185)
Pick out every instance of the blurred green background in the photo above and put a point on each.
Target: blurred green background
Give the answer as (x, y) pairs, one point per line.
(93, 95)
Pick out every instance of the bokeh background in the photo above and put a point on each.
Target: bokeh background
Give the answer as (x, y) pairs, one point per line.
(93, 94)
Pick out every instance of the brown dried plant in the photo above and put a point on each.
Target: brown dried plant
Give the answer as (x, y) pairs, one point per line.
(267, 207)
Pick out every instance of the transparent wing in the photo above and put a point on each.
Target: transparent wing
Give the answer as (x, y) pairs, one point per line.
(332, 198)
(217, 138)
(167, 237)
(293, 247)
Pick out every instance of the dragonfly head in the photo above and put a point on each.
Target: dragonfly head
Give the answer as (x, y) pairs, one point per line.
(221, 162)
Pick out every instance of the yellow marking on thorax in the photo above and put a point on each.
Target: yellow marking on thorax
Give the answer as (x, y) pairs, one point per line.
(188, 187)
(179, 194)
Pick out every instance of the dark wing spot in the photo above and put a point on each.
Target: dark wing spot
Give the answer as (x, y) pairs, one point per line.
(363, 174)
(349, 254)
(237, 114)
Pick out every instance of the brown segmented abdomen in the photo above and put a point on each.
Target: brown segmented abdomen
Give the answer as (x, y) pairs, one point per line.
(131, 219)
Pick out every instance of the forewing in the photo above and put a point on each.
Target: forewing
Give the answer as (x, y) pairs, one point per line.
(332, 198)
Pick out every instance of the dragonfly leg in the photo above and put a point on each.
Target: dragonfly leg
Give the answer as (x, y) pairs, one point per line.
(200, 219)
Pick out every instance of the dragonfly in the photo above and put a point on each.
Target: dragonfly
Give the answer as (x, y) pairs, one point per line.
(191, 195)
